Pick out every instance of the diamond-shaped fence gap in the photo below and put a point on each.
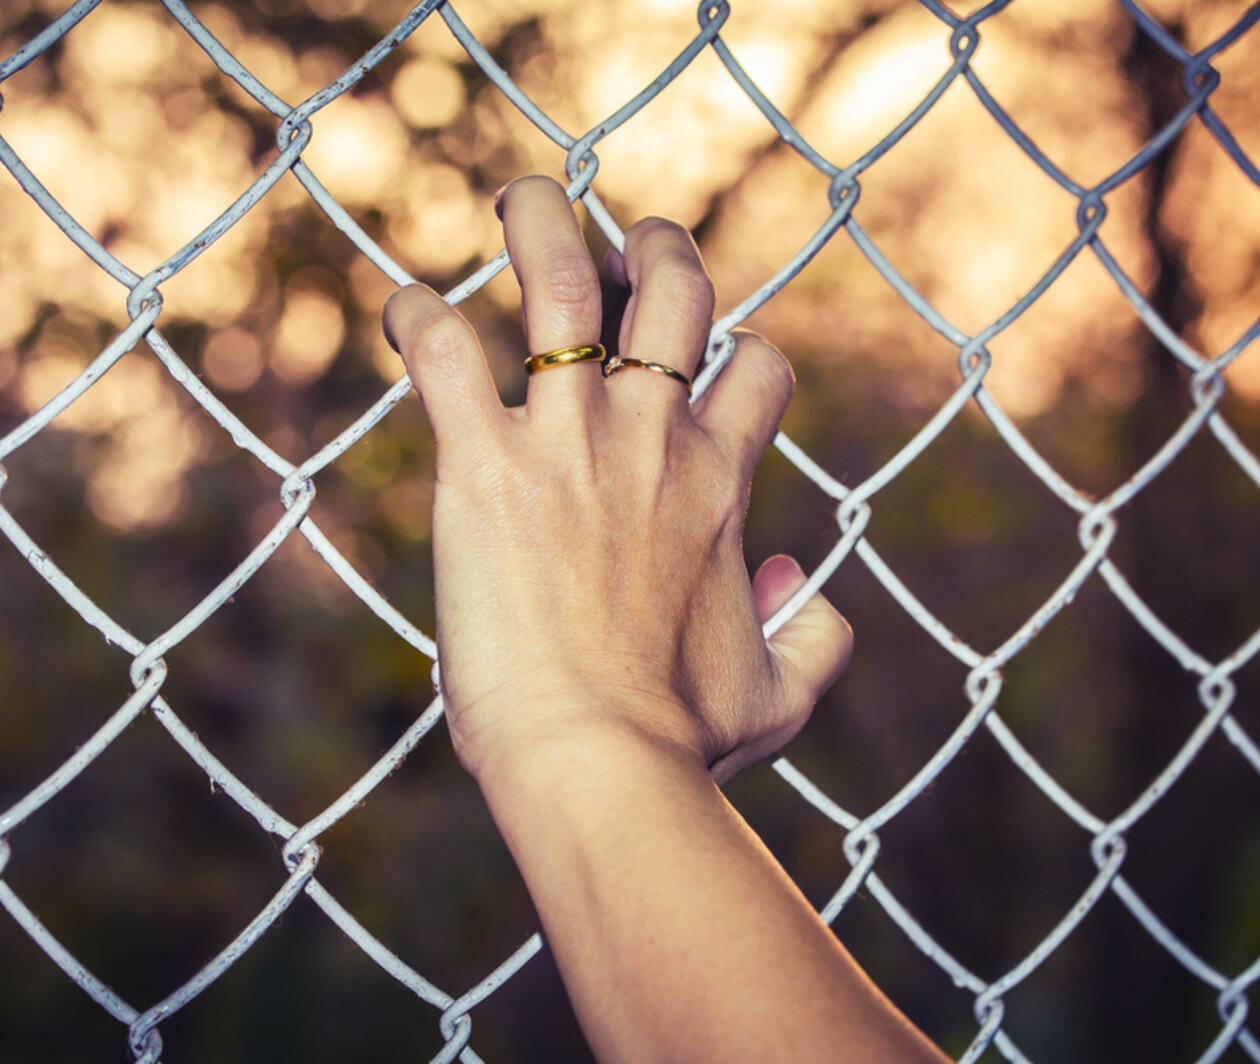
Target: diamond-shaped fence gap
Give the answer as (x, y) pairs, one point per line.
(530, 1019)
(1132, 967)
(1209, 224)
(920, 990)
(511, 143)
(960, 527)
(298, 350)
(703, 108)
(1004, 220)
(1059, 76)
(146, 207)
(376, 509)
(866, 741)
(130, 572)
(893, 368)
(1046, 1019)
(489, 139)
(82, 1026)
(1079, 342)
(1081, 692)
(1179, 568)
(874, 81)
(143, 819)
(941, 219)
(751, 232)
(247, 682)
(1201, 824)
(301, 990)
(424, 838)
(1238, 66)
(1005, 890)
(73, 690)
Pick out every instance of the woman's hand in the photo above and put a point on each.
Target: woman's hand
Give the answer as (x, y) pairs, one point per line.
(601, 652)
(590, 575)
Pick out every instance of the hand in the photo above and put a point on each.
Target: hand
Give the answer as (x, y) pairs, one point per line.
(589, 568)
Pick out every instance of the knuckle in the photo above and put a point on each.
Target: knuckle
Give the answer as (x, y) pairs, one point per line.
(439, 334)
(531, 181)
(401, 307)
(655, 227)
(830, 641)
(684, 278)
(772, 367)
(527, 184)
(570, 281)
(844, 633)
(654, 238)
(723, 493)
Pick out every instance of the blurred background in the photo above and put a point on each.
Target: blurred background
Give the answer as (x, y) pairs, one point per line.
(145, 872)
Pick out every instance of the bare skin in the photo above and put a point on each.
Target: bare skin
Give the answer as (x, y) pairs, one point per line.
(603, 664)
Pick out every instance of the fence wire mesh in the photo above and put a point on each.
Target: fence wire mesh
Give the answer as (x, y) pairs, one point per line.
(982, 670)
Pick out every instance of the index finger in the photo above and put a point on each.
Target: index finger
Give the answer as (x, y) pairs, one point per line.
(444, 360)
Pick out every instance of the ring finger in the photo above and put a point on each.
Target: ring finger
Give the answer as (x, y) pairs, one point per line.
(667, 320)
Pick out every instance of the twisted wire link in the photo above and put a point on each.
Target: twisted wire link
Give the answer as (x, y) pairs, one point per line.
(982, 681)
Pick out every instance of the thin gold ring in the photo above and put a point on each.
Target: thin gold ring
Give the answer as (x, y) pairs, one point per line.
(565, 356)
(618, 363)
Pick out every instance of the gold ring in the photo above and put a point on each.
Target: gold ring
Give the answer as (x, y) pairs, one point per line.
(565, 356)
(618, 363)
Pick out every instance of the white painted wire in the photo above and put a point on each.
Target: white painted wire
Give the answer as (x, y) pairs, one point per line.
(982, 685)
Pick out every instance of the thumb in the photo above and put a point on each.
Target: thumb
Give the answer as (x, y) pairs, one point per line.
(812, 648)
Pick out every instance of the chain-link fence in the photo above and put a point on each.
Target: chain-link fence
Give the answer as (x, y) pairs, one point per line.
(981, 671)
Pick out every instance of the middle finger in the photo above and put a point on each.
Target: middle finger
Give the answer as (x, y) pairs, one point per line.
(561, 303)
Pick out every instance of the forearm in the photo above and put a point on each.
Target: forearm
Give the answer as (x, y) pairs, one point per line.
(678, 935)
(602, 646)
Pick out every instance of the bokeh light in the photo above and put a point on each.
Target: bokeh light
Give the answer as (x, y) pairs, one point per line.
(146, 502)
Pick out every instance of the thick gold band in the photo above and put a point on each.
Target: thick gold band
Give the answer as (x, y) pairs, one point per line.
(618, 363)
(565, 356)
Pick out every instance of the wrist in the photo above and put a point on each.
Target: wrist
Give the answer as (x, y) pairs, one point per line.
(522, 738)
